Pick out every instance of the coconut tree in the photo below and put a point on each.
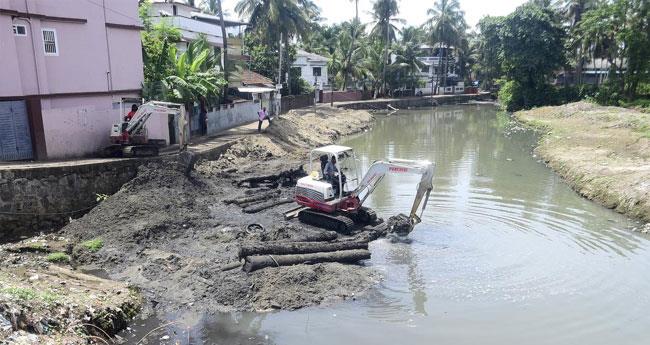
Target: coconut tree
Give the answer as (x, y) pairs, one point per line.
(214, 7)
(384, 29)
(275, 19)
(446, 25)
(406, 60)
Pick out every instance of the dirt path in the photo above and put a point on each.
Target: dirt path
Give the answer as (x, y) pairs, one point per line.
(602, 152)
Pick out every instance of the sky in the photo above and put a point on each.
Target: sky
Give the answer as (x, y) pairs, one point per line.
(413, 11)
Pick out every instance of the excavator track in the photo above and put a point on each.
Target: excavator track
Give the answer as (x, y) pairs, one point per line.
(336, 222)
(366, 216)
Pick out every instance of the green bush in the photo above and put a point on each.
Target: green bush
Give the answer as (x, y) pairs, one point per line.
(93, 245)
(58, 257)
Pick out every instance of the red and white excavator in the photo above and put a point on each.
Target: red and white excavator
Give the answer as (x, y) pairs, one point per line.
(337, 204)
(130, 137)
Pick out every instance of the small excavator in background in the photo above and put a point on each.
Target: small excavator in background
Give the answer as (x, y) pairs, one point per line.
(336, 205)
(130, 137)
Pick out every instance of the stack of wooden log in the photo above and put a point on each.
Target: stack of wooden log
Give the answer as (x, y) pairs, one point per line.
(280, 253)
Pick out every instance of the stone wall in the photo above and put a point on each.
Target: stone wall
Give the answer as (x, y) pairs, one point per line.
(412, 102)
(296, 102)
(41, 198)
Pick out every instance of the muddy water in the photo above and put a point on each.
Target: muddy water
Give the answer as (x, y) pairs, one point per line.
(506, 253)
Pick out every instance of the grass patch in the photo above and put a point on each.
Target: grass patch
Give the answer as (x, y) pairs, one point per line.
(58, 257)
(21, 293)
(27, 294)
(93, 245)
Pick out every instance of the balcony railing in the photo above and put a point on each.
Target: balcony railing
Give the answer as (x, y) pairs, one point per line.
(191, 25)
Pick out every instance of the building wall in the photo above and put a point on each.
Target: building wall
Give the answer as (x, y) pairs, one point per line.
(99, 60)
(307, 72)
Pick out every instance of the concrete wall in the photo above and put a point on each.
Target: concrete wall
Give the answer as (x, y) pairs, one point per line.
(342, 96)
(232, 115)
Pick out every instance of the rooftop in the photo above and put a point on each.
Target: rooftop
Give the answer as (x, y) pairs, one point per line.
(311, 56)
(252, 78)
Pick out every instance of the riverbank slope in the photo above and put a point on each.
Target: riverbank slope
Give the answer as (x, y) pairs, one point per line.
(165, 237)
(602, 152)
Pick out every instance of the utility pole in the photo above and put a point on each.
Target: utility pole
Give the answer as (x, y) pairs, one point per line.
(386, 53)
(280, 65)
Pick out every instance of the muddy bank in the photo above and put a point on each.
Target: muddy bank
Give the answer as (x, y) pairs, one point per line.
(602, 152)
(171, 235)
(44, 301)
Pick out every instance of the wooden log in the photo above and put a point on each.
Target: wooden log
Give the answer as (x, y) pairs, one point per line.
(253, 263)
(320, 236)
(252, 198)
(263, 206)
(282, 248)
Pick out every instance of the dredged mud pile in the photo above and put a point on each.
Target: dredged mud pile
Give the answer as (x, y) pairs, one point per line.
(171, 235)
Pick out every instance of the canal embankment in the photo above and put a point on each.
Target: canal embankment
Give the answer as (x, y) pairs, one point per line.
(164, 237)
(413, 102)
(602, 152)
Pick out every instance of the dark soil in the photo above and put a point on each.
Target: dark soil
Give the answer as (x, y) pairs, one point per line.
(170, 235)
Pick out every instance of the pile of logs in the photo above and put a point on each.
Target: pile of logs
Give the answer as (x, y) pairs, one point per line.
(280, 253)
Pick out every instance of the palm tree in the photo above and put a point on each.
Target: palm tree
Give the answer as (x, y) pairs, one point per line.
(406, 59)
(353, 53)
(384, 12)
(447, 24)
(214, 7)
(278, 19)
(195, 76)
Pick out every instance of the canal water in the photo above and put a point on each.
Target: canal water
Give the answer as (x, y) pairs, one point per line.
(506, 252)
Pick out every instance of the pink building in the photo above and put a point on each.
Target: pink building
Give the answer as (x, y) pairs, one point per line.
(65, 65)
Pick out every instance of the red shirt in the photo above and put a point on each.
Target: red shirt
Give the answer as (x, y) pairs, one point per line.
(130, 115)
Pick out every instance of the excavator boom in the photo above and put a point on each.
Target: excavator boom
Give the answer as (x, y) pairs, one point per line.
(379, 169)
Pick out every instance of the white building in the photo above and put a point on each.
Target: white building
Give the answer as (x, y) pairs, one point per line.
(434, 59)
(192, 22)
(312, 67)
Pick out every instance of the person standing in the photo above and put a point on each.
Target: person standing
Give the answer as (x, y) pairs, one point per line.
(262, 115)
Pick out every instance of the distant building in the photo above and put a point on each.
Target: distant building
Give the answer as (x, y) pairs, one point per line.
(311, 67)
(65, 67)
(594, 72)
(192, 22)
(434, 59)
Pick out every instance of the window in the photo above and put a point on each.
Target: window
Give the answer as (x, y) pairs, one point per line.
(50, 44)
(316, 72)
(425, 69)
(20, 30)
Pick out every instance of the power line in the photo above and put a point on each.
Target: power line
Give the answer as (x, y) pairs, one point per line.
(112, 10)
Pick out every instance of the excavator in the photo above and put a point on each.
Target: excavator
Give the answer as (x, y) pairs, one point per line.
(337, 204)
(130, 138)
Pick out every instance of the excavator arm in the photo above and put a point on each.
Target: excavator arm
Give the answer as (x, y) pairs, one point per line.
(379, 169)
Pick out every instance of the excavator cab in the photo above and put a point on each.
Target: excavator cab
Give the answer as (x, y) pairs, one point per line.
(336, 202)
